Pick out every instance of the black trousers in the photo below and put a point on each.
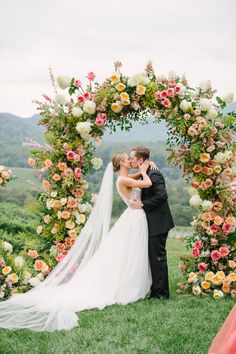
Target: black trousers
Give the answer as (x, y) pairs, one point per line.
(158, 264)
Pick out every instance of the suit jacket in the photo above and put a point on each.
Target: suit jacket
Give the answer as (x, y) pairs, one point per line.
(156, 206)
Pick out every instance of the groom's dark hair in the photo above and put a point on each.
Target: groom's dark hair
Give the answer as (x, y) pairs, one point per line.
(141, 152)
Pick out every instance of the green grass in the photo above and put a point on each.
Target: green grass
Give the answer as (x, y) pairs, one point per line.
(184, 324)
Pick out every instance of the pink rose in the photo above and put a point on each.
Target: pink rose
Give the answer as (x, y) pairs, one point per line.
(170, 92)
(172, 82)
(77, 83)
(187, 116)
(47, 271)
(60, 257)
(195, 252)
(78, 173)
(99, 121)
(166, 103)
(177, 89)
(214, 228)
(227, 228)
(197, 112)
(198, 244)
(87, 95)
(202, 267)
(70, 155)
(215, 255)
(163, 94)
(91, 76)
(224, 251)
(158, 95)
(103, 116)
(81, 99)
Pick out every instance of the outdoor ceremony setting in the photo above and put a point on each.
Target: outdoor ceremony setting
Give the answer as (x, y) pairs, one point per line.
(117, 192)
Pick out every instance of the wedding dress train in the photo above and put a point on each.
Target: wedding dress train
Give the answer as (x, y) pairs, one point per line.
(117, 272)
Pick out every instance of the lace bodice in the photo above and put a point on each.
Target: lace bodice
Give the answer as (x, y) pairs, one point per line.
(135, 194)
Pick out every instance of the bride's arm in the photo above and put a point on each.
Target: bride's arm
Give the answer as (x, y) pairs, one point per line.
(132, 183)
(138, 175)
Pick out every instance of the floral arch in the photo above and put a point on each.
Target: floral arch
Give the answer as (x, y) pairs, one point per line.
(200, 142)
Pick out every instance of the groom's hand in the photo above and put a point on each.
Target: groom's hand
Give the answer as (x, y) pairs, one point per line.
(137, 204)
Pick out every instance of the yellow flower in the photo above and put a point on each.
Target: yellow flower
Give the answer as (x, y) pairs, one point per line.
(216, 280)
(82, 218)
(120, 86)
(72, 233)
(6, 270)
(204, 157)
(14, 278)
(124, 96)
(232, 276)
(116, 107)
(126, 102)
(217, 169)
(140, 90)
(70, 224)
(115, 78)
(220, 274)
(205, 285)
(218, 294)
(197, 290)
(209, 276)
(192, 278)
(226, 289)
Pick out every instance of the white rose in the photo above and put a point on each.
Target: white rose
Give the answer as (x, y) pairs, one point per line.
(34, 281)
(60, 99)
(40, 276)
(192, 191)
(194, 223)
(205, 104)
(195, 200)
(59, 214)
(63, 82)
(220, 158)
(228, 154)
(96, 162)
(49, 203)
(77, 112)
(185, 106)
(212, 113)
(82, 208)
(7, 247)
(19, 261)
(93, 197)
(206, 205)
(197, 290)
(205, 86)
(172, 75)
(218, 294)
(53, 194)
(83, 127)
(228, 98)
(26, 275)
(63, 201)
(138, 79)
(89, 107)
(162, 77)
(89, 207)
(2, 168)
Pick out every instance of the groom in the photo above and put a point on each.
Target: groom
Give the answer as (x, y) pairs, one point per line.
(155, 204)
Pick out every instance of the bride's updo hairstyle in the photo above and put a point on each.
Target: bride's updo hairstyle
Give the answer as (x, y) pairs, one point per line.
(116, 159)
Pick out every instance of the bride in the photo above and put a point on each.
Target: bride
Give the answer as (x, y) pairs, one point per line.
(102, 268)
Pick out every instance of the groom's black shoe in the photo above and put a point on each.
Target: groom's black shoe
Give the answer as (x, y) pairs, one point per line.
(157, 297)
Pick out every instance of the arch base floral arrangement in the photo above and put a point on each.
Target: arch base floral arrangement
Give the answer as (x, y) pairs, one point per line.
(200, 142)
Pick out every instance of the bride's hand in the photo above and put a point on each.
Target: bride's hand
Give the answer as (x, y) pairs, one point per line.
(143, 168)
(153, 166)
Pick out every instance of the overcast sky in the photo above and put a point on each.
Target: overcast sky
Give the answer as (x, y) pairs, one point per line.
(74, 37)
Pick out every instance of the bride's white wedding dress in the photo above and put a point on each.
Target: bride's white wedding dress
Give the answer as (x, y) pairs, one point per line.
(117, 273)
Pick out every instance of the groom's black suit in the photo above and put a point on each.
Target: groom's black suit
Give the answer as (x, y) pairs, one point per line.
(160, 221)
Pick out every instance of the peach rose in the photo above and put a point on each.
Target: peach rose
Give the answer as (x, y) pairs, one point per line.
(33, 253)
(5, 174)
(224, 251)
(47, 163)
(207, 216)
(39, 229)
(65, 214)
(230, 220)
(194, 184)
(218, 220)
(72, 233)
(72, 203)
(56, 177)
(14, 278)
(47, 219)
(208, 182)
(46, 185)
(79, 193)
(62, 166)
(31, 162)
(197, 168)
(38, 265)
(226, 289)
(57, 204)
(232, 264)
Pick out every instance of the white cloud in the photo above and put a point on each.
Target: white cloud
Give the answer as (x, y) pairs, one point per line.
(76, 36)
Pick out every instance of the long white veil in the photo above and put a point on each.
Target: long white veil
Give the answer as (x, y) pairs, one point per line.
(23, 310)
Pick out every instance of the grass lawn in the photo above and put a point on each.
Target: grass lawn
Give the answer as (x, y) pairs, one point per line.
(184, 324)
